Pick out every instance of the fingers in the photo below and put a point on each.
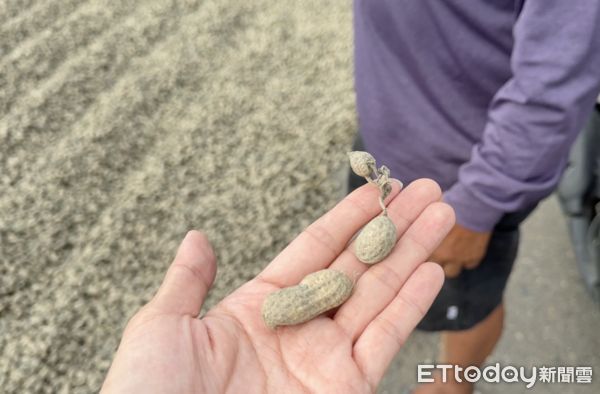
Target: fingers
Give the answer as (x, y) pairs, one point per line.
(317, 246)
(378, 286)
(452, 270)
(472, 264)
(403, 210)
(386, 334)
(189, 277)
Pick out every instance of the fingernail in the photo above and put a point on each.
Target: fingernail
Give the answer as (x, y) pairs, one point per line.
(398, 182)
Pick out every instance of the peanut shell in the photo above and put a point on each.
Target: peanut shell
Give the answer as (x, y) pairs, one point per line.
(376, 240)
(362, 163)
(317, 293)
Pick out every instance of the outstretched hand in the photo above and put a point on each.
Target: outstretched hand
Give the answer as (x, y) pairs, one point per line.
(166, 349)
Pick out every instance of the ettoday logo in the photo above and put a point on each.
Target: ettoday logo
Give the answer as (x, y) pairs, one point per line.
(508, 374)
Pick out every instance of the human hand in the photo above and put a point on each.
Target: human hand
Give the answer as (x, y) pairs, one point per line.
(461, 249)
(165, 348)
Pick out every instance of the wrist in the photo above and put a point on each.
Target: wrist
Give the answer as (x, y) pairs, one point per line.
(472, 213)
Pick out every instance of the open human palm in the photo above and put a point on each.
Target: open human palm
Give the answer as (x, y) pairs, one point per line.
(166, 349)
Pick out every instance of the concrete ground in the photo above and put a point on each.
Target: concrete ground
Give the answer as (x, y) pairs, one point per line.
(551, 320)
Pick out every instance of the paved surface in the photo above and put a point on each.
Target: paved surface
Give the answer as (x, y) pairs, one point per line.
(125, 123)
(550, 320)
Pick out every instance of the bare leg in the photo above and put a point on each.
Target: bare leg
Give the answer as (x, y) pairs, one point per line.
(466, 348)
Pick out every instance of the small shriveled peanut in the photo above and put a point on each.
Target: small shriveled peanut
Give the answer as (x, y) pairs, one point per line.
(317, 293)
(362, 163)
(376, 240)
(386, 189)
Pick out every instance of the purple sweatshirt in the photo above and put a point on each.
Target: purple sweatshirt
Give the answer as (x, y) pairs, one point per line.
(485, 97)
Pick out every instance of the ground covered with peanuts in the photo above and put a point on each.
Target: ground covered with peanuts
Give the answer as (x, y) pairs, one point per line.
(125, 123)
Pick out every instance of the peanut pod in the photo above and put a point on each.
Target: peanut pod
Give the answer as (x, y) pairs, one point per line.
(376, 240)
(317, 293)
(362, 163)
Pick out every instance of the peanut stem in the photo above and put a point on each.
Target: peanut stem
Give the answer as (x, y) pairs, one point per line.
(383, 207)
(381, 179)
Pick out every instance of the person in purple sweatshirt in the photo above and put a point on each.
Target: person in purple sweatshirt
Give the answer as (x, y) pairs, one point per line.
(486, 98)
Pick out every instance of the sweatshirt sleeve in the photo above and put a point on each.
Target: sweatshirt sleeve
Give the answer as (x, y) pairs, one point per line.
(535, 116)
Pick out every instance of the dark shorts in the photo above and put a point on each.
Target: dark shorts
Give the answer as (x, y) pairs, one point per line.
(469, 298)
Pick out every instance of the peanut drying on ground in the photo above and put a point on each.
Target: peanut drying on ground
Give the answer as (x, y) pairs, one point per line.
(318, 292)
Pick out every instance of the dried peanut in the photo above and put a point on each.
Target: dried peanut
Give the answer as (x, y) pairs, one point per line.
(362, 163)
(317, 293)
(386, 189)
(376, 240)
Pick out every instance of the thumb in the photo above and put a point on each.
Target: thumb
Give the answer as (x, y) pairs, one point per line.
(189, 278)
